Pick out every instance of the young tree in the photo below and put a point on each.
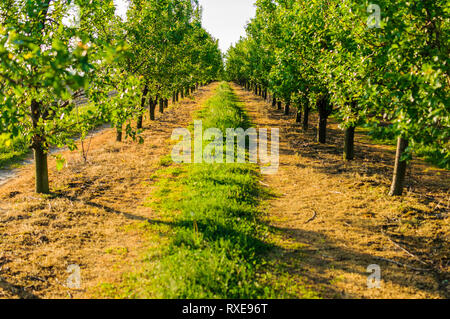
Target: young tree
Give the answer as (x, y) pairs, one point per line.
(43, 67)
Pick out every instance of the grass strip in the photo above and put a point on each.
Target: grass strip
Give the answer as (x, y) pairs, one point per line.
(218, 244)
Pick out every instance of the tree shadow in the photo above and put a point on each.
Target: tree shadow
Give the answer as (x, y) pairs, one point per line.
(323, 254)
(111, 210)
(374, 165)
(16, 290)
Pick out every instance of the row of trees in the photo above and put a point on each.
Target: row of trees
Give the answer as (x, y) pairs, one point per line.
(383, 65)
(54, 51)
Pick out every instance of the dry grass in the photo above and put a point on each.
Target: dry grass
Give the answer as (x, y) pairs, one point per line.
(331, 219)
(92, 216)
(334, 219)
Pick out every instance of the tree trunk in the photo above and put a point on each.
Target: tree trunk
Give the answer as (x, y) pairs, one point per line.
(322, 130)
(161, 105)
(40, 154)
(166, 103)
(140, 118)
(349, 143)
(287, 108)
(400, 169)
(279, 105)
(274, 101)
(182, 93)
(40, 160)
(152, 111)
(119, 134)
(139, 122)
(152, 107)
(324, 112)
(305, 116)
(298, 119)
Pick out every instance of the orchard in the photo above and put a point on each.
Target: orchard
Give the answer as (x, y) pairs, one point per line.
(224, 149)
(53, 52)
(329, 56)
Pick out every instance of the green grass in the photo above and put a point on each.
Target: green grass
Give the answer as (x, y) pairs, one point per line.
(218, 245)
(12, 150)
(386, 135)
(215, 248)
(224, 111)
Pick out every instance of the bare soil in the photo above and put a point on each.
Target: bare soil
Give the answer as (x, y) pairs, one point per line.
(334, 219)
(331, 219)
(90, 219)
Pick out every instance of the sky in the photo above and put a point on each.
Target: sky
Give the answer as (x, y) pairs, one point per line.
(121, 8)
(225, 20)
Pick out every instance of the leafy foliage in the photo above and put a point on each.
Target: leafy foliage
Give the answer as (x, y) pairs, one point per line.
(396, 74)
(52, 52)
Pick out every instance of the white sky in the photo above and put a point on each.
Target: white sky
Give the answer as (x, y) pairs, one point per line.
(224, 19)
(121, 8)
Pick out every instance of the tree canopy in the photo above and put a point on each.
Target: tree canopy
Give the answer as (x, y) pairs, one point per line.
(54, 51)
(387, 70)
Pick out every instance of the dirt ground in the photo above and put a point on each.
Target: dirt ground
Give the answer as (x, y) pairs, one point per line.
(331, 219)
(335, 219)
(88, 220)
